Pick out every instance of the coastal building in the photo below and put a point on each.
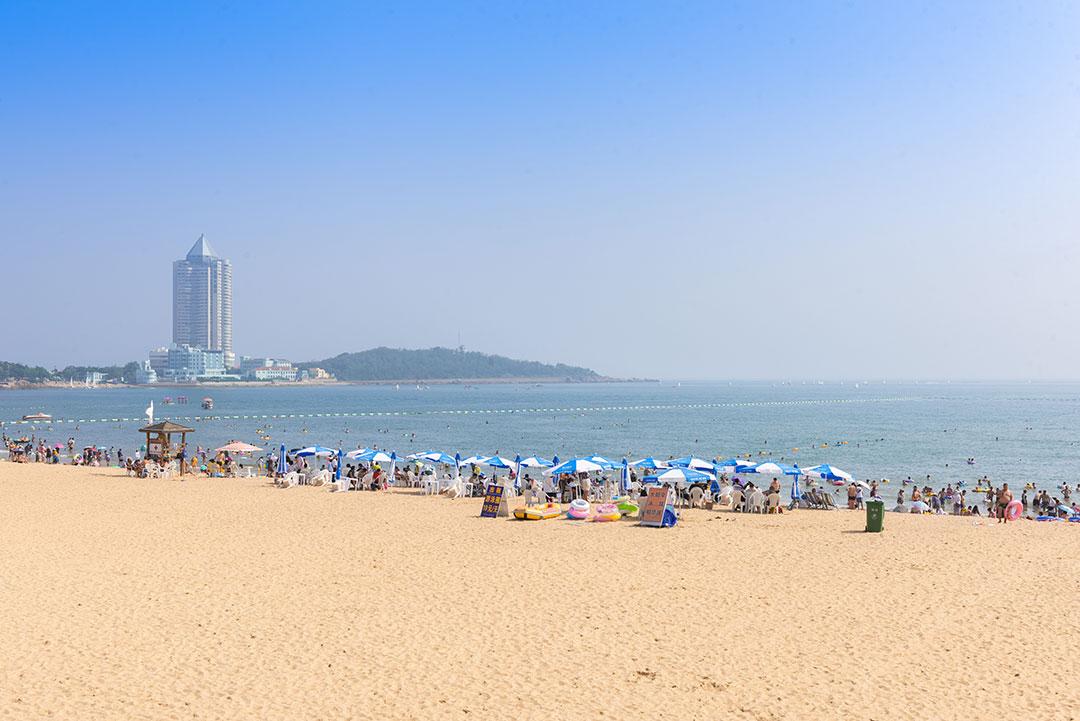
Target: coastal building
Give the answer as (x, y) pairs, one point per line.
(320, 375)
(189, 364)
(159, 360)
(94, 377)
(266, 369)
(145, 374)
(202, 301)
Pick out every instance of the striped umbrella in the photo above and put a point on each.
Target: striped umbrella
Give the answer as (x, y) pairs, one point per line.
(826, 473)
(649, 463)
(601, 461)
(625, 476)
(376, 457)
(337, 471)
(315, 451)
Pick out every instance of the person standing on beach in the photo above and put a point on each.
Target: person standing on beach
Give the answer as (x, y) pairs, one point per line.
(1004, 498)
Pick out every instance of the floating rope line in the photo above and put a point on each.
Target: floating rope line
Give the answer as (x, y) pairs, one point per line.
(480, 411)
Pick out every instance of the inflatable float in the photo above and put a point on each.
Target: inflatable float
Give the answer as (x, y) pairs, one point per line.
(627, 508)
(538, 513)
(579, 509)
(1014, 510)
(607, 512)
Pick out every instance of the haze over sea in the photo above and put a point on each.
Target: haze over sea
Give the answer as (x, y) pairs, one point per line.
(1017, 432)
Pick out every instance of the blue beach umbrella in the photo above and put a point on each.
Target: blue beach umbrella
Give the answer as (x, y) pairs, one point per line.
(393, 462)
(677, 475)
(282, 467)
(601, 461)
(434, 457)
(315, 451)
(337, 471)
(625, 476)
(517, 473)
(498, 462)
(376, 457)
(826, 473)
(536, 462)
(649, 463)
(575, 465)
(698, 464)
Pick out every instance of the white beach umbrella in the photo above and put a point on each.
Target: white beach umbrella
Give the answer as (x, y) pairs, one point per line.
(574, 465)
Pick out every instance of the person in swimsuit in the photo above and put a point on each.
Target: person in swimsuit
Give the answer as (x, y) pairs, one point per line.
(1004, 498)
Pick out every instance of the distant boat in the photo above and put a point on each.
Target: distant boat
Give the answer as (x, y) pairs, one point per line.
(208, 403)
(37, 417)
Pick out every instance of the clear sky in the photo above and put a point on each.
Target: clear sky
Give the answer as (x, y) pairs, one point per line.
(670, 189)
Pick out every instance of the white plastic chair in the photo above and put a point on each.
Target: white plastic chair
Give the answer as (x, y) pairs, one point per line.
(772, 502)
(736, 500)
(696, 497)
(756, 502)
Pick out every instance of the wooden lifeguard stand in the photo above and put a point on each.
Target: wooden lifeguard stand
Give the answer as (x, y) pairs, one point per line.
(159, 438)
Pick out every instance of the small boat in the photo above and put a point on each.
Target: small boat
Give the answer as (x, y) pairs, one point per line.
(208, 403)
(37, 417)
(538, 513)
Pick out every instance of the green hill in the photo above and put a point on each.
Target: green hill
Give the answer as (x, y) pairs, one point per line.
(389, 364)
(20, 372)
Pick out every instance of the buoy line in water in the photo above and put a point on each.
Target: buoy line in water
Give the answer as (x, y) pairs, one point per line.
(474, 411)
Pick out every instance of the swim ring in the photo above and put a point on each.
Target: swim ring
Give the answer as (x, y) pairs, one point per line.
(607, 512)
(1014, 510)
(579, 509)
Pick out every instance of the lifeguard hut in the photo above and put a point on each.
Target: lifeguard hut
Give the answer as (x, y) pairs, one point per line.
(159, 442)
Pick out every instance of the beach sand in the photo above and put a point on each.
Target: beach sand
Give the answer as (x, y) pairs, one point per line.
(230, 599)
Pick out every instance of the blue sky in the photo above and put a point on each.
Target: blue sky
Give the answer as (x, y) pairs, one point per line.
(850, 189)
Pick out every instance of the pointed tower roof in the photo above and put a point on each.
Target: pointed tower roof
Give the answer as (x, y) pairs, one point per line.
(201, 249)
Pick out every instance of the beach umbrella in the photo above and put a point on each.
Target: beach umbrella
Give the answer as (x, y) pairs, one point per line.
(374, 456)
(795, 494)
(574, 465)
(699, 464)
(353, 455)
(601, 461)
(471, 460)
(337, 471)
(649, 463)
(625, 476)
(238, 447)
(680, 475)
(770, 468)
(393, 462)
(826, 473)
(497, 462)
(433, 457)
(315, 451)
(536, 462)
(282, 468)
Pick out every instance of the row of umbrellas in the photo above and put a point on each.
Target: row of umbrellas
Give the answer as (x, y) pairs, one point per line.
(688, 469)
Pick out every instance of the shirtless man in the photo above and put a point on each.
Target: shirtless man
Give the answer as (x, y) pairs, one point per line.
(1004, 498)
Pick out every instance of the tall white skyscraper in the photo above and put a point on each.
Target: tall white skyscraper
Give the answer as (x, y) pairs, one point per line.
(202, 301)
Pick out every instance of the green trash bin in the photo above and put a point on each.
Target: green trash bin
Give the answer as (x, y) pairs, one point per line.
(875, 516)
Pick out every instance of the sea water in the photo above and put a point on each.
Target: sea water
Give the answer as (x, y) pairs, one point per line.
(1015, 432)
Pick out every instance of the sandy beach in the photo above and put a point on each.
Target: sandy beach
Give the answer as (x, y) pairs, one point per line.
(231, 599)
